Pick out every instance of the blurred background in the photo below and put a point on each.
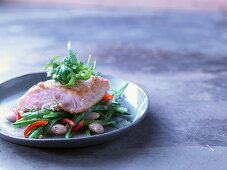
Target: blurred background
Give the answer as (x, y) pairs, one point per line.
(176, 49)
(112, 31)
(220, 5)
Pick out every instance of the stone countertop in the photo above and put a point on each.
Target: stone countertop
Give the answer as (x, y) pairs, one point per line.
(180, 58)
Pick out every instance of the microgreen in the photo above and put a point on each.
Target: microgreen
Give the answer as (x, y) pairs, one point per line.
(70, 69)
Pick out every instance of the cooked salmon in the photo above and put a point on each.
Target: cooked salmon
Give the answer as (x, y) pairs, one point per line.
(75, 99)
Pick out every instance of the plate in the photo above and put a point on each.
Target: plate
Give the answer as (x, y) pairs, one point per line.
(136, 100)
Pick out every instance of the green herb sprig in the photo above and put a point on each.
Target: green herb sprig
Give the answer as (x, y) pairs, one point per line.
(70, 69)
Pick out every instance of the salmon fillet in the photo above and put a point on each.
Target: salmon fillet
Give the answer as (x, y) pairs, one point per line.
(75, 99)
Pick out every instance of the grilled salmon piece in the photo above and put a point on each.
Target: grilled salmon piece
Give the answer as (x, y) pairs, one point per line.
(75, 99)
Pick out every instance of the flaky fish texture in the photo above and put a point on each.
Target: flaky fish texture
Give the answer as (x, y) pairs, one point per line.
(75, 99)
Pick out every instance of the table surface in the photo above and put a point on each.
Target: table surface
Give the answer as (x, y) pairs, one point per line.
(179, 57)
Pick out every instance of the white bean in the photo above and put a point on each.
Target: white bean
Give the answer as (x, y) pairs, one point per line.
(92, 116)
(11, 116)
(58, 129)
(96, 127)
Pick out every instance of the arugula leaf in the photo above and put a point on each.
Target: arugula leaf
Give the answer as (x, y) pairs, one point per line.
(70, 69)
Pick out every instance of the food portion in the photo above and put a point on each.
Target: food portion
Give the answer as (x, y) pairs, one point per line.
(74, 100)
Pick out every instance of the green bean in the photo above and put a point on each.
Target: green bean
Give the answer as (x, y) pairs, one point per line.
(88, 132)
(21, 122)
(56, 115)
(79, 117)
(35, 134)
(100, 107)
(36, 114)
(121, 110)
(87, 122)
(49, 125)
(104, 123)
(68, 133)
(113, 107)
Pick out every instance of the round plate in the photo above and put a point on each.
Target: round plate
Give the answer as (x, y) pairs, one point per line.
(136, 100)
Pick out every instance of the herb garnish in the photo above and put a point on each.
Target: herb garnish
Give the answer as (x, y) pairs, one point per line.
(70, 69)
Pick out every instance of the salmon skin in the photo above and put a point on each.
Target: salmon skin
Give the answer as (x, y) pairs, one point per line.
(74, 99)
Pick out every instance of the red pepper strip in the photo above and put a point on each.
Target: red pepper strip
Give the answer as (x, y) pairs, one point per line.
(68, 121)
(17, 113)
(107, 96)
(34, 125)
(78, 126)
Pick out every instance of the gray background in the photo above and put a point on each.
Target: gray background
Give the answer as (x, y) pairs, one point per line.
(180, 58)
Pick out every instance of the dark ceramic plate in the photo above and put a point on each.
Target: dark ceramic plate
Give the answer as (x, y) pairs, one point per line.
(136, 100)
